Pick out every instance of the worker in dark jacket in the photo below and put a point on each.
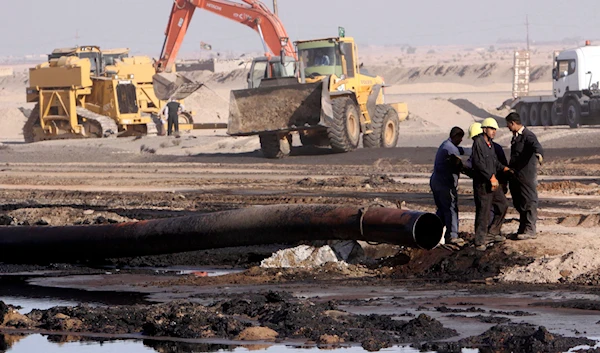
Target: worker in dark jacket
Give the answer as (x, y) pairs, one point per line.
(444, 183)
(171, 111)
(525, 154)
(486, 188)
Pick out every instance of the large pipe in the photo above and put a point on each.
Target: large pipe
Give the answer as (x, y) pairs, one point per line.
(248, 226)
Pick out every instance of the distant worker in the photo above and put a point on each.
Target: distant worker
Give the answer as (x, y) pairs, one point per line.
(486, 187)
(525, 154)
(444, 183)
(171, 111)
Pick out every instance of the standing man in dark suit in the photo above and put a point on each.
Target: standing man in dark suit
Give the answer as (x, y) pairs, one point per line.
(171, 111)
(525, 154)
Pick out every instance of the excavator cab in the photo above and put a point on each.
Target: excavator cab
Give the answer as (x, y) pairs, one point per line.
(265, 71)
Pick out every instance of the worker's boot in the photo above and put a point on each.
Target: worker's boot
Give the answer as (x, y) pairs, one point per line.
(495, 238)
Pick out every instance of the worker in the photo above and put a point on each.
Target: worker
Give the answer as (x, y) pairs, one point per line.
(321, 59)
(171, 111)
(444, 183)
(525, 154)
(486, 188)
(475, 131)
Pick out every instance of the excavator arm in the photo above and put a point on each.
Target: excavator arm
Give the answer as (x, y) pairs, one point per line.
(251, 13)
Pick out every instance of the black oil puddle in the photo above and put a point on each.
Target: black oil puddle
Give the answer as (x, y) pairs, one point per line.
(17, 291)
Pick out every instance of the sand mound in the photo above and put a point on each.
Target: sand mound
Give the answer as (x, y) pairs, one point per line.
(477, 74)
(12, 121)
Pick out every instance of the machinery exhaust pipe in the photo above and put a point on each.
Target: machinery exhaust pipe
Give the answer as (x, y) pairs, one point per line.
(249, 226)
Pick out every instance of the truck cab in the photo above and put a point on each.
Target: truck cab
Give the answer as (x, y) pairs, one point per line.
(576, 70)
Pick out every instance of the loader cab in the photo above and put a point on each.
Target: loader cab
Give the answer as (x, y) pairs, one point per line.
(320, 58)
(264, 69)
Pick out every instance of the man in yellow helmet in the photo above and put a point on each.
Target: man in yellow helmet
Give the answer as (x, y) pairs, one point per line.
(486, 188)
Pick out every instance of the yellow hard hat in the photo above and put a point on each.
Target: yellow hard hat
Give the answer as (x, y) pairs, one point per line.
(474, 130)
(489, 122)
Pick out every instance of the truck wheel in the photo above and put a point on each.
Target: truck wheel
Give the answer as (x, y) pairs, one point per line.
(275, 145)
(556, 118)
(344, 133)
(385, 128)
(546, 114)
(534, 115)
(573, 113)
(524, 114)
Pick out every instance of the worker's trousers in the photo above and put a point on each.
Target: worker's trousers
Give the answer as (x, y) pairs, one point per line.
(486, 200)
(446, 201)
(525, 200)
(173, 123)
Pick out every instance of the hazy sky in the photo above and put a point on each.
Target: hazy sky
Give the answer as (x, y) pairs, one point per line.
(38, 26)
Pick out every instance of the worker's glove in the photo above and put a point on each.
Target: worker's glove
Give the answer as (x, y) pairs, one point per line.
(494, 182)
(539, 157)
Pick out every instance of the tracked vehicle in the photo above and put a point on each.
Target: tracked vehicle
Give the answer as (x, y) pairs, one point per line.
(87, 92)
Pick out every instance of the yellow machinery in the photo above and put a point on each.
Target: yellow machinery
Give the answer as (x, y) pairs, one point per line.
(86, 92)
(331, 105)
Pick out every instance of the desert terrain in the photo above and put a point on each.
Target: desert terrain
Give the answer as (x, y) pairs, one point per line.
(533, 295)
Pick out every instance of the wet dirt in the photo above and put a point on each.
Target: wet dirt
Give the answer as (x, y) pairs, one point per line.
(298, 303)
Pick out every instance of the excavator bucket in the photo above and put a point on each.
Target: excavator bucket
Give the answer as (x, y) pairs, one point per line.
(172, 85)
(286, 107)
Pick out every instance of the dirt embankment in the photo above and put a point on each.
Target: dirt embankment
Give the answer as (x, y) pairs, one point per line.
(474, 74)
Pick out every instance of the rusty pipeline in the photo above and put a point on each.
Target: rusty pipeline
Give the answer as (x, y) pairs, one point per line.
(249, 226)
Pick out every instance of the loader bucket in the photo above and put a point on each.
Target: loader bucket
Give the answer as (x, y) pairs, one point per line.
(289, 107)
(171, 85)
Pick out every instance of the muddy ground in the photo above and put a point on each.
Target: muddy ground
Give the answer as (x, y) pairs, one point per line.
(84, 184)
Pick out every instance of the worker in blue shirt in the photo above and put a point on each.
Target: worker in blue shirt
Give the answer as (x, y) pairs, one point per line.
(444, 183)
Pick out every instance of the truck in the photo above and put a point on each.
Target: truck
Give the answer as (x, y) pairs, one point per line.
(575, 98)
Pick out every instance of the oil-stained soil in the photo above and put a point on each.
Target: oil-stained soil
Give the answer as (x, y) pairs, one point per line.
(225, 307)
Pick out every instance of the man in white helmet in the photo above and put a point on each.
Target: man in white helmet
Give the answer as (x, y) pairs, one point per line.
(486, 189)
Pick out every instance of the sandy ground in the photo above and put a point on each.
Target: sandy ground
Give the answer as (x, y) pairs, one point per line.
(65, 182)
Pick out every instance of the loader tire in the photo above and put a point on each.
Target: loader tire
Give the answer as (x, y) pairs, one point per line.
(275, 145)
(344, 132)
(30, 124)
(385, 128)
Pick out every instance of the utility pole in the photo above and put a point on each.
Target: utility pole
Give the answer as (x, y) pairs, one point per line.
(275, 8)
(527, 28)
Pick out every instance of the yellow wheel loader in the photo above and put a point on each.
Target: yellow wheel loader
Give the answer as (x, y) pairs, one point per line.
(87, 92)
(330, 104)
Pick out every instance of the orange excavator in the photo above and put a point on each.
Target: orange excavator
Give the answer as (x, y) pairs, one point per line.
(279, 59)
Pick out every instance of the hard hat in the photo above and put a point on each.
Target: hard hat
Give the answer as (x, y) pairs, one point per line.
(489, 122)
(474, 130)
